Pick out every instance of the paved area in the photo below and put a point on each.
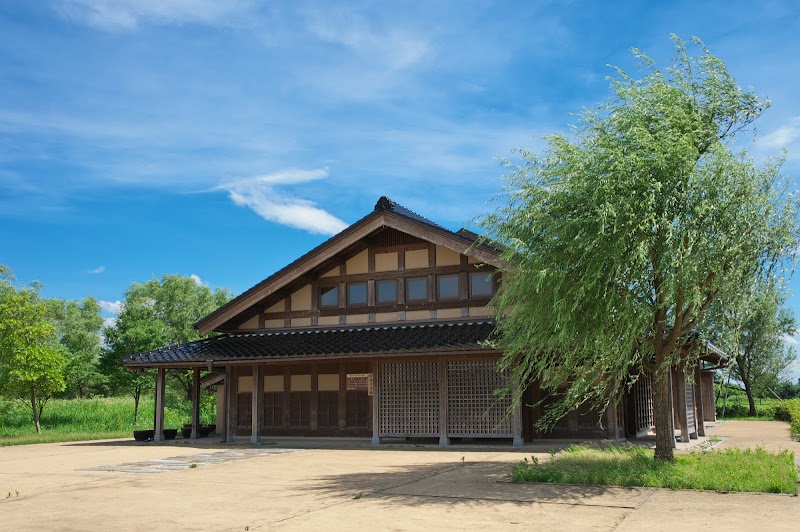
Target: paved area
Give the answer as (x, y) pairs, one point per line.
(334, 485)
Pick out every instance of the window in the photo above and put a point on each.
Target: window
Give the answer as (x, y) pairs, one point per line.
(480, 285)
(387, 291)
(329, 296)
(356, 294)
(448, 286)
(417, 289)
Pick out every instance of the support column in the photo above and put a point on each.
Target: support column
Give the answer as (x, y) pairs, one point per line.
(443, 439)
(342, 396)
(195, 403)
(376, 394)
(258, 407)
(516, 420)
(230, 399)
(158, 422)
(313, 420)
(699, 417)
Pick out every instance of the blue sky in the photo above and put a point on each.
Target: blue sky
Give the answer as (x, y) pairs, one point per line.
(224, 139)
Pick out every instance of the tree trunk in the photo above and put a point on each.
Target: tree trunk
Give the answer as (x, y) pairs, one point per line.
(662, 404)
(749, 391)
(35, 411)
(136, 396)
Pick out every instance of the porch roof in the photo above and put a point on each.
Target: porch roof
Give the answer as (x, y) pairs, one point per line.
(323, 342)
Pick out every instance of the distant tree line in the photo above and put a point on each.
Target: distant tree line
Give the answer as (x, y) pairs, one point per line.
(58, 348)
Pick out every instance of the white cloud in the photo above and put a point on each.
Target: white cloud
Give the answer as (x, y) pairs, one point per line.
(783, 136)
(259, 194)
(109, 322)
(121, 15)
(99, 269)
(196, 278)
(791, 340)
(392, 47)
(112, 307)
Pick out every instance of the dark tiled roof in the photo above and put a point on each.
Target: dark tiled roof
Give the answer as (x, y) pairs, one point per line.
(324, 342)
(385, 204)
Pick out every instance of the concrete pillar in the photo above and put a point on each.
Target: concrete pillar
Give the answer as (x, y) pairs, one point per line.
(158, 422)
(195, 403)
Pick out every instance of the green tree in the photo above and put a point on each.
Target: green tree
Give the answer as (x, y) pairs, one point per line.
(752, 329)
(624, 233)
(31, 359)
(156, 313)
(79, 328)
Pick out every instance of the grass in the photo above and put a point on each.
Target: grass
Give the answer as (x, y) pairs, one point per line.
(729, 470)
(87, 419)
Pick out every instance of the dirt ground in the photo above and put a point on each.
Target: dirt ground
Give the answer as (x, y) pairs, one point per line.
(307, 484)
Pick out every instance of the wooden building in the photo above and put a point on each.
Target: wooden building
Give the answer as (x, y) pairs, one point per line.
(379, 332)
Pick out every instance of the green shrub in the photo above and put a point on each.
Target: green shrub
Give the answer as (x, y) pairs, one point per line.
(782, 413)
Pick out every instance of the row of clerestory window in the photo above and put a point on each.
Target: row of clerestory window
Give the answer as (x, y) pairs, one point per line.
(448, 287)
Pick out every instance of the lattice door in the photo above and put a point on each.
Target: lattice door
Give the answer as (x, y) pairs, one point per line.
(409, 399)
(643, 391)
(473, 409)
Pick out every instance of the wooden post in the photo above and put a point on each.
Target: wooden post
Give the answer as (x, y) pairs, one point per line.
(195, 403)
(699, 417)
(158, 422)
(287, 397)
(516, 421)
(342, 396)
(376, 394)
(313, 420)
(443, 438)
(257, 406)
(230, 400)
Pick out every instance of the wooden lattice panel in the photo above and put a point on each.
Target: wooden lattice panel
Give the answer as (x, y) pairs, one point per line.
(409, 399)
(473, 409)
(643, 391)
(689, 392)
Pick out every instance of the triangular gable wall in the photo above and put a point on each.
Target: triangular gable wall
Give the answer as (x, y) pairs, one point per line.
(382, 229)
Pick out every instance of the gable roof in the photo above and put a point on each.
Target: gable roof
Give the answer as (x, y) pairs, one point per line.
(385, 214)
(318, 343)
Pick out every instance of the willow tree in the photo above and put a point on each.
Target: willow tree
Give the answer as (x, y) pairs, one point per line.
(623, 233)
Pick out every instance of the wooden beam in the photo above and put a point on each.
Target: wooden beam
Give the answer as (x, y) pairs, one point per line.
(683, 419)
(314, 407)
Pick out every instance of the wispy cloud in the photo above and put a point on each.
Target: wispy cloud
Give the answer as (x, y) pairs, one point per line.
(784, 136)
(122, 15)
(259, 194)
(196, 278)
(98, 270)
(112, 307)
(109, 322)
